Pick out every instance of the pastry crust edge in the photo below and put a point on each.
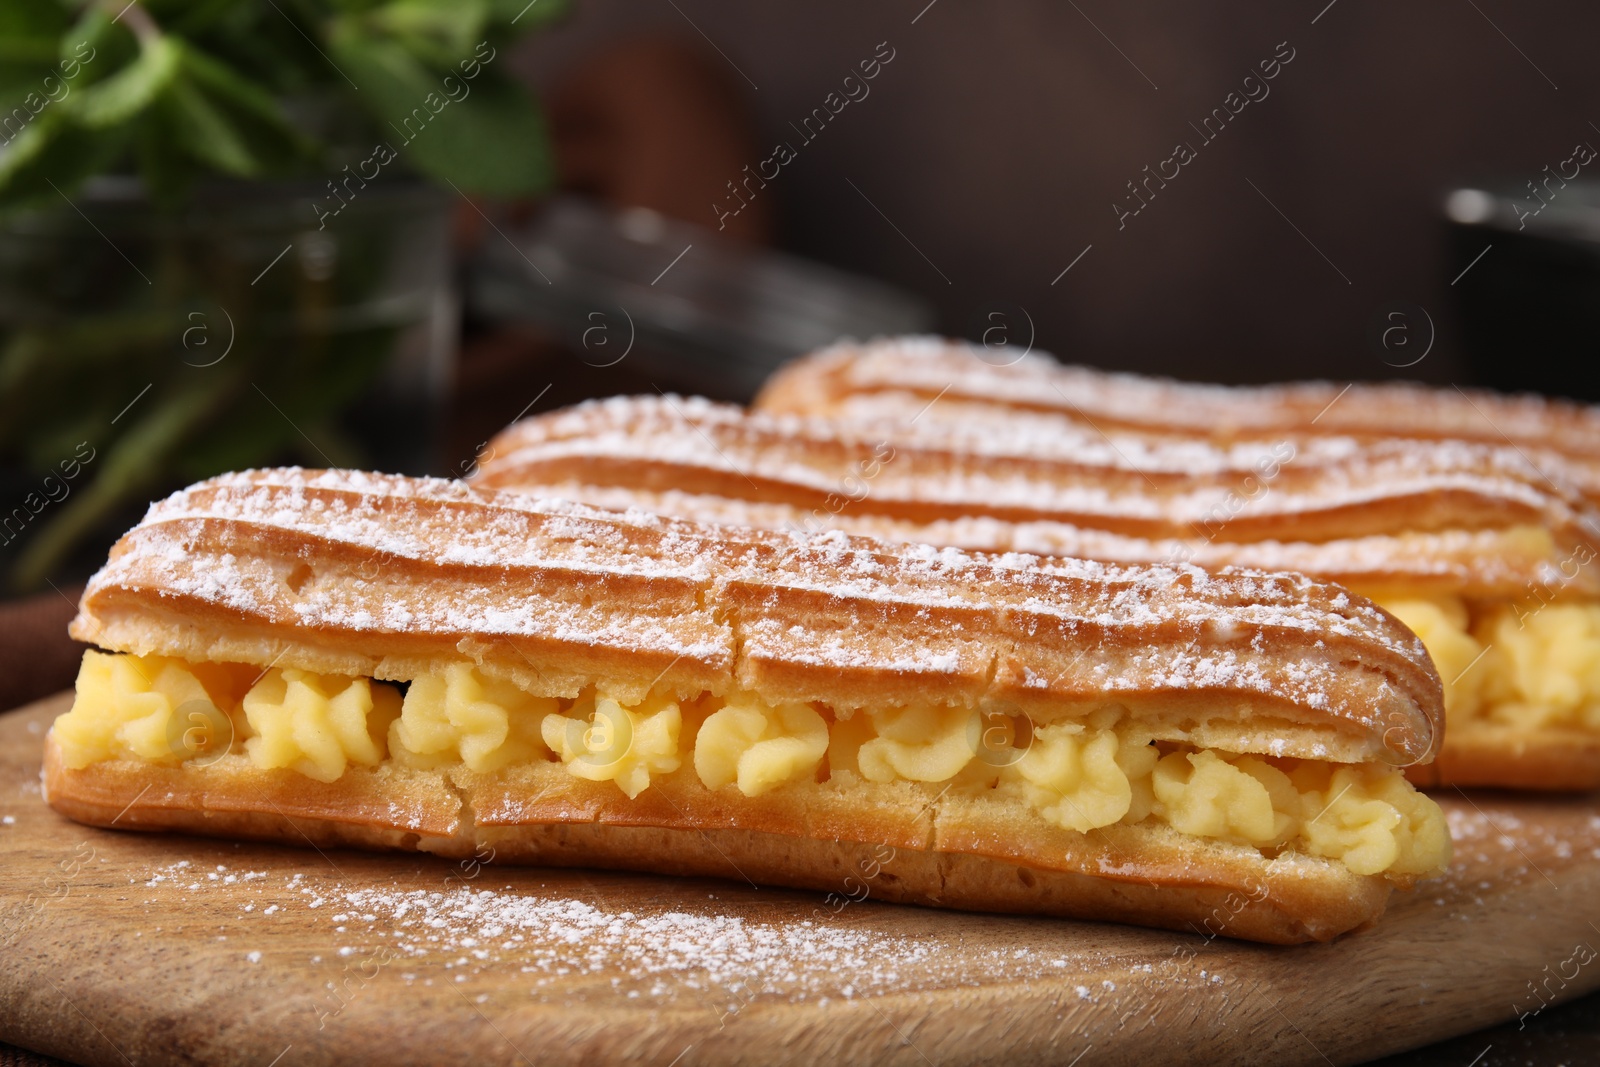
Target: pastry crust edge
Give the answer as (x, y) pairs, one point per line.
(1150, 876)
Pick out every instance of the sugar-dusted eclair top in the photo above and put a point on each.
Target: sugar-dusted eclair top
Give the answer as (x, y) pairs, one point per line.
(854, 379)
(363, 574)
(1456, 516)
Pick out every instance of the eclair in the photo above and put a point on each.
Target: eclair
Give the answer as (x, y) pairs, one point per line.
(347, 659)
(900, 377)
(1490, 560)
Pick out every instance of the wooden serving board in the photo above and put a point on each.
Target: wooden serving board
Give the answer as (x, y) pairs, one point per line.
(125, 948)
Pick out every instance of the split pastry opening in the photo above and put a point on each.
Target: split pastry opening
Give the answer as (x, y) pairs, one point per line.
(1079, 774)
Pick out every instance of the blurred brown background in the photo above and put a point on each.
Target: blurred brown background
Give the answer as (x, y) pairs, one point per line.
(996, 141)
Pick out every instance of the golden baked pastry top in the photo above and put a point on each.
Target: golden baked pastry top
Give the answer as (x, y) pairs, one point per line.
(883, 376)
(1455, 517)
(392, 578)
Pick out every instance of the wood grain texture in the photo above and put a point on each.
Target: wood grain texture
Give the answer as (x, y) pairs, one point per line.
(114, 952)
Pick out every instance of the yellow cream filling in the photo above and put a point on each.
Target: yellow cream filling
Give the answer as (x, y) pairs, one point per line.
(1077, 776)
(148, 708)
(458, 716)
(317, 724)
(603, 741)
(757, 747)
(1530, 668)
(1080, 778)
(919, 743)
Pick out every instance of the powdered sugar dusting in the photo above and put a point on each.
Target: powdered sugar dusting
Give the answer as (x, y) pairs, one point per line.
(1454, 513)
(1445, 559)
(1030, 467)
(422, 557)
(699, 948)
(859, 377)
(550, 938)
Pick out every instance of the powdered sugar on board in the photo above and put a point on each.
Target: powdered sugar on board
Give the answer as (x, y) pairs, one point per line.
(697, 944)
(166, 973)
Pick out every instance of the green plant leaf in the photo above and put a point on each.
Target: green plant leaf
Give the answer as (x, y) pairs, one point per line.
(98, 44)
(29, 53)
(522, 15)
(237, 64)
(198, 16)
(273, 52)
(130, 90)
(239, 90)
(54, 155)
(29, 30)
(441, 32)
(492, 141)
(263, 120)
(204, 130)
(29, 34)
(17, 112)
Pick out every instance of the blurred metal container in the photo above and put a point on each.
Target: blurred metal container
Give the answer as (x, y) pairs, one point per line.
(701, 312)
(1528, 297)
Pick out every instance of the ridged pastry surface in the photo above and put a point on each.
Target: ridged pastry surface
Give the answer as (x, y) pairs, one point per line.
(362, 574)
(1457, 516)
(889, 375)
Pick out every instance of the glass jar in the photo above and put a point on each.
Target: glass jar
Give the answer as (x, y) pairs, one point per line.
(142, 349)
